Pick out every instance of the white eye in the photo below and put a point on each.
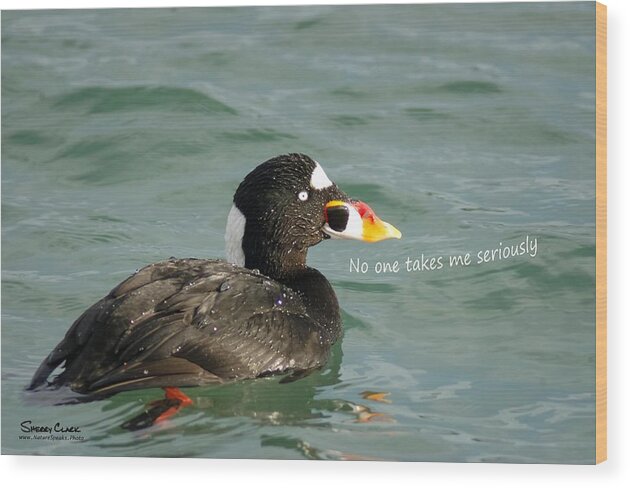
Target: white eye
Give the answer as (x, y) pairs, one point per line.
(303, 196)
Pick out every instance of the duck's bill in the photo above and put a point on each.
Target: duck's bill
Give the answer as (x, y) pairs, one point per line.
(356, 220)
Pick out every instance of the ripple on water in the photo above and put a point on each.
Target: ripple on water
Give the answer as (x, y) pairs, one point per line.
(78, 239)
(308, 23)
(549, 282)
(97, 100)
(31, 137)
(349, 120)
(425, 114)
(349, 93)
(257, 135)
(386, 288)
(466, 87)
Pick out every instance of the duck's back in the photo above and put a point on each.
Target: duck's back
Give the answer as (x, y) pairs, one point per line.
(187, 322)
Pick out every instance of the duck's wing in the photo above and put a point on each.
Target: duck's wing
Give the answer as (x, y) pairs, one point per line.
(186, 323)
(206, 357)
(86, 349)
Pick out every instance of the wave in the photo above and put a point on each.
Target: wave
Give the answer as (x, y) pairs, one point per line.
(99, 100)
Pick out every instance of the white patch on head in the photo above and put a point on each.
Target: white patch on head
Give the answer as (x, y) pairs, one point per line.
(319, 179)
(354, 227)
(234, 231)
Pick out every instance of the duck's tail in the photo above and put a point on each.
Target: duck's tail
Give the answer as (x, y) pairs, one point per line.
(52, 361)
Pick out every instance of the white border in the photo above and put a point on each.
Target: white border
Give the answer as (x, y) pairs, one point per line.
(189, 473)
(55, 4)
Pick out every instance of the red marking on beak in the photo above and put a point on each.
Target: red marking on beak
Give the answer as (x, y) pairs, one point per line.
(364, 210)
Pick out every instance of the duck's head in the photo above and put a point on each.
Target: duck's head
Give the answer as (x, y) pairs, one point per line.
(288, 204)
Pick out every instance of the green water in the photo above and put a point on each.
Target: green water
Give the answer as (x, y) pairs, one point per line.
(125, 133)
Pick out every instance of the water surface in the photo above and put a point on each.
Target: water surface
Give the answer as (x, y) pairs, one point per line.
(125, 133)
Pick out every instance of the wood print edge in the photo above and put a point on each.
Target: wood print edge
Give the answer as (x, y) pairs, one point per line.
(601, 232)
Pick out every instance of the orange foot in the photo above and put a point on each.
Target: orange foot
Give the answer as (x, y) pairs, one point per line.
(159, 410)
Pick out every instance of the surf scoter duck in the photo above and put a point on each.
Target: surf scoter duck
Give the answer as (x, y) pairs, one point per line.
(191, 322)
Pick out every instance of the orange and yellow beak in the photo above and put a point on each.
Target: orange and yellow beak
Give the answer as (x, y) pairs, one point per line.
(356, 220)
